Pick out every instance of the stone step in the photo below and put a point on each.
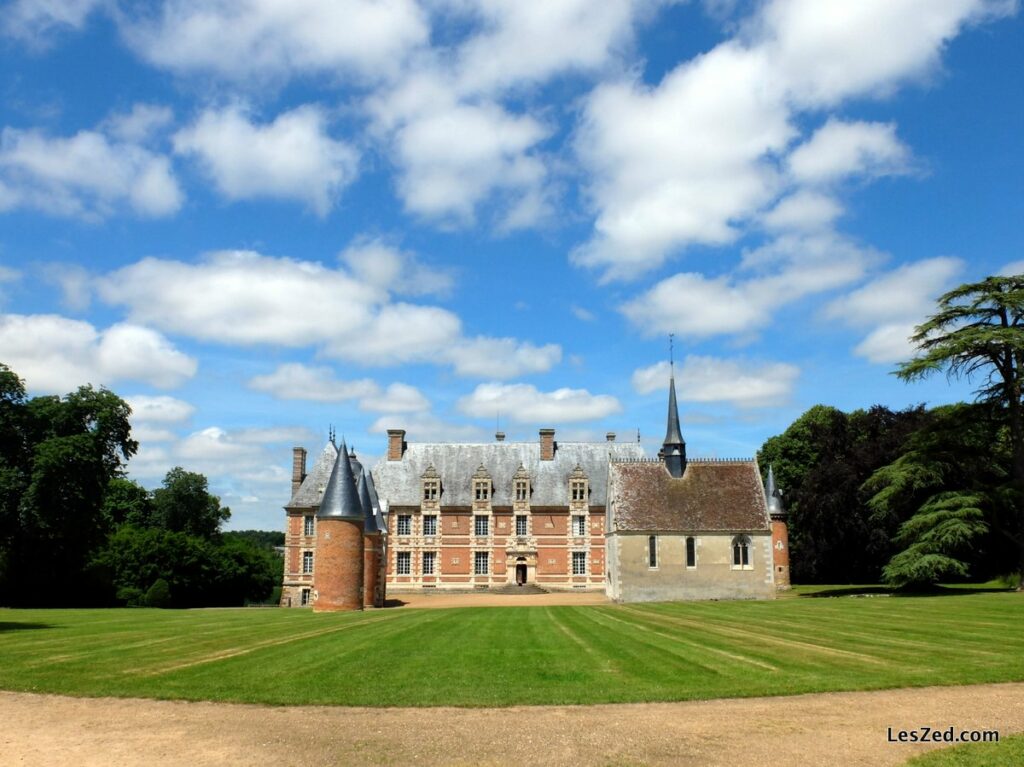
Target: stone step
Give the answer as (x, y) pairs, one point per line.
(526, 588)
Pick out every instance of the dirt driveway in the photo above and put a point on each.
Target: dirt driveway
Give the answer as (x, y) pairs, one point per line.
(828, 729)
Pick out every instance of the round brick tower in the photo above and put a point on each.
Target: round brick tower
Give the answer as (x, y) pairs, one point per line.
(780, 533)
(373, 546)
(338, 572)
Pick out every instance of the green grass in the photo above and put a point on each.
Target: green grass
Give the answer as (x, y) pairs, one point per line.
(1008, 752)
(517, 655)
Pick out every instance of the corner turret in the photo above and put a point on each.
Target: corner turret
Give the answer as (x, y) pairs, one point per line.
(673, 451)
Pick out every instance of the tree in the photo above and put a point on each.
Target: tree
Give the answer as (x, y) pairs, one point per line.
(185, 505)
(979, 331)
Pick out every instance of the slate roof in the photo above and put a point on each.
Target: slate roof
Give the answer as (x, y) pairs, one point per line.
(312, 488)
(711, 496)
(341, 497)
(398, 482)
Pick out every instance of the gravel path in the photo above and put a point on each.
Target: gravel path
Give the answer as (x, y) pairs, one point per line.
(825, 729)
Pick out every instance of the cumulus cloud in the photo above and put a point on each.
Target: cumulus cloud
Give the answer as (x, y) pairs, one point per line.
(379, 263)
(159, 409)
(694, 159)
(55, 354)
(292, 157)
(427, 427)
(781, 272)
(523, 403)
(839, 149)
(742, 383)
(893, 304)
(803, 210)
(140, 123)
(243, 297)
(271, 39)
(34, 20)
(1014, 267)
(294, 381)
(88, 175)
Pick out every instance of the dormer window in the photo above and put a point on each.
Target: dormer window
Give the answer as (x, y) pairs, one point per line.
(431, 484)
(578, 485)
(522, 490)
(481, 485)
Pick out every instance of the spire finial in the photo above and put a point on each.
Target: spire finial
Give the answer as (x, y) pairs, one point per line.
(671, 350)
(330, 433)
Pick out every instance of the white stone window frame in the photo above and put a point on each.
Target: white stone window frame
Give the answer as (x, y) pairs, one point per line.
(742, 545)
(400, 557)
(407, 519)
(433, 518)
(521, 490)
(308, 525)
(306, 597)
(481, 490)
(431, 489)
(423, 562)
(576, 556)
(526, 525)
(485, 519)
(581, 531)
(307, 562)
(486, 558)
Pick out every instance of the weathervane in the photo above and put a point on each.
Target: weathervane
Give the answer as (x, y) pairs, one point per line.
(671, 350)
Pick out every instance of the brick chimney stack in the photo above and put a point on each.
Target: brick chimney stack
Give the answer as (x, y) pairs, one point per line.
(547, 444)
(396, 444)
(298, 467)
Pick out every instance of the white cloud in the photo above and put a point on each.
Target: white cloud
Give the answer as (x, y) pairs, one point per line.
(55, 354)
(272, 39)
(584, 315)
(33, 20)
(694, 159)
(803, 211)
(397, 398)
(484, 357)
(1012, 268)
(905, 293)
(426, 427)
(75, 284)
(839, 149)
(381, 264)
(893, 304)
(294, 381)
(86, 175)
(140, 123)
(787, 269)
(292, 157)
(742, 383)
(523, 403)
(160, 409)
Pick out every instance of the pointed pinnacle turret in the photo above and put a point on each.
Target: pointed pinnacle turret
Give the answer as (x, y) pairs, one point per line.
(773, 495)
(369, 518)
(341, 499)
(673, 451)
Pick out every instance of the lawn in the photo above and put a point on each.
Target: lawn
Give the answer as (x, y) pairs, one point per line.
(517, 655)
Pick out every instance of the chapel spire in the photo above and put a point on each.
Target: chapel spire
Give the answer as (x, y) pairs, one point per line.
(673, 451)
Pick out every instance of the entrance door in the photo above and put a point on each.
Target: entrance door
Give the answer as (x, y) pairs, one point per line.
(520, 575)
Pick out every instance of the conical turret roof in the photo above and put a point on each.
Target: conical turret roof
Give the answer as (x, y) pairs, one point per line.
(773, 494)
(673, 434)
(341, 498)
(369, 518)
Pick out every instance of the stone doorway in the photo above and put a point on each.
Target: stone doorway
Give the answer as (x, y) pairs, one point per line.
(521, 571)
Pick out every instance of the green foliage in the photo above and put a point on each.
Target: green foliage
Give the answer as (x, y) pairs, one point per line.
(1008, 752)
(518, 655)
(266, 539)
(184, 505)
(821, 462)
(127, 503)
(159, 594)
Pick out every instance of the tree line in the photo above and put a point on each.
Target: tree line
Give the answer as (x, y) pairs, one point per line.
(918, 496)
(75, 531)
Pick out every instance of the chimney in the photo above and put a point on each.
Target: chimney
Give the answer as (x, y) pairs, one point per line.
(298, 467)
(547, 444)
(499, 436)
(396, 444)
(610, 436)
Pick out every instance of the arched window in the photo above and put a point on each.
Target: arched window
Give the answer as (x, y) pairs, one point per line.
(652, 551)
(741, 552)
(691, 552)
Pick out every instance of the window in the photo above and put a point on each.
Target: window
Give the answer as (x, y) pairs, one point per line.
(579, 525)
(481, 525)
(429, 557)
(403, 565)
(521, 490)
(579, 490)
(483, 490)
(579, 563)
(404, 524)
(430, 524)
(741, 551)
(520, 524)
(307, 525)
(304, 598)
(307, 562)
(691, 552)
(480, 562)
(652, 551)
(430, 490)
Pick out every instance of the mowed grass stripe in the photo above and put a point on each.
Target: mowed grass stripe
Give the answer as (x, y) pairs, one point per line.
(521, 655)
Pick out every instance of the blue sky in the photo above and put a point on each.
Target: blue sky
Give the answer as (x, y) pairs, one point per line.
(257, 218)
